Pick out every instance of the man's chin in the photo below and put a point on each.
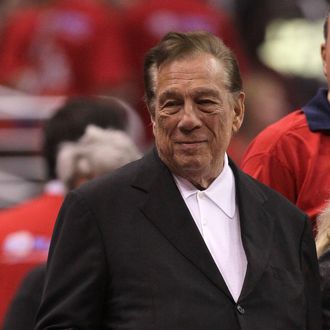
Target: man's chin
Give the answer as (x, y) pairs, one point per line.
(190, 165)
(190, 149)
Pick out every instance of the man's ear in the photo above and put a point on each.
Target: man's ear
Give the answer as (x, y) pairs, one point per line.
(239, 109)
(323, 56)
(152, 117)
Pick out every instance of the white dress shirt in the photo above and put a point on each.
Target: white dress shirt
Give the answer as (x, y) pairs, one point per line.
(216, 215)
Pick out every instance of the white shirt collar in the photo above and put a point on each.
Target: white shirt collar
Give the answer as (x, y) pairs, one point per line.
(221, 191)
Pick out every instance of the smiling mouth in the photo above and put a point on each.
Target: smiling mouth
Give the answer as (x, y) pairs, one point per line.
(190, 142)
(190, 145)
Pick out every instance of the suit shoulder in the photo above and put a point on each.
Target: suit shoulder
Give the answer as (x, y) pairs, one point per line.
(121, 177)
(289, 220)
(272, 197)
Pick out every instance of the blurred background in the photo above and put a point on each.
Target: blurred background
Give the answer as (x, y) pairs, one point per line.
(51, 50)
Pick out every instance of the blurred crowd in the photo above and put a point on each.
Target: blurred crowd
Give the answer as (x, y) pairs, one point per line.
(57, 50)
(85, 47)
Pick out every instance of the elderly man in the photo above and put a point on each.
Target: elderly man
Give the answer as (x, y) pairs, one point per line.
(182, 239)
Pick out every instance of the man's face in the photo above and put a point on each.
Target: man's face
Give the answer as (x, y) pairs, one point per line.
(195, 117)
(325, 54)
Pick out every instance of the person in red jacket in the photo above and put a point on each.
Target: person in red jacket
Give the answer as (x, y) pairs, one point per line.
(293, 155)
(65, 47)
(26, 229)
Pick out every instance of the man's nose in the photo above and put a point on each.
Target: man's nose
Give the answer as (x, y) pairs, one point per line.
(189, 119)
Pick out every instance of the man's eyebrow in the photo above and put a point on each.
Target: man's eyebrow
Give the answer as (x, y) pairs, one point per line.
(171, 93)
(206, 92)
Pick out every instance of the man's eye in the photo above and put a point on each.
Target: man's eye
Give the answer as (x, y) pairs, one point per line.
(171, 103)
(206, 105)
(205, 102)
(170, 107)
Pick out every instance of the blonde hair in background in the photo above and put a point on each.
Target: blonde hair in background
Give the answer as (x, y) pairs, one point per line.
(97, 152)
(323, 231)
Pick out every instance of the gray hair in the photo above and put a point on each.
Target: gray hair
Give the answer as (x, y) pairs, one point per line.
(175, 46)
(323, 231)
(97, 152)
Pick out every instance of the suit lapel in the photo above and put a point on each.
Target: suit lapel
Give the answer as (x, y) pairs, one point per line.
(256, 229)
(167, 211)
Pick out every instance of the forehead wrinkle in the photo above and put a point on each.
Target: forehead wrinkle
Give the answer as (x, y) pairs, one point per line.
(180, 65)
(173, 92)
(174, 79)
(192, 85)
(205, 91)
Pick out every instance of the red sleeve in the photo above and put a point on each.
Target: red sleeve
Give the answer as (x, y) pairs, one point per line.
(268, 168)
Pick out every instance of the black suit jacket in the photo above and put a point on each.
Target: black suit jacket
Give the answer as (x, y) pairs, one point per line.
(324, 263)
(23, 308)
(126, 254)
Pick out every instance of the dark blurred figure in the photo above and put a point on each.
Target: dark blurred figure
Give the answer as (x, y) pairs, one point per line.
(292, 155)
(65, 47)
(22, 310)
(97, 152)
(323, 253)
(25, 229)
(253, 18)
